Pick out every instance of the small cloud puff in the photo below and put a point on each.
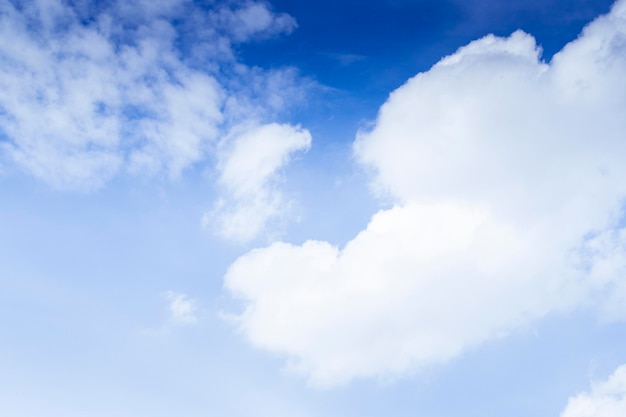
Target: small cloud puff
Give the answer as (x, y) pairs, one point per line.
(253, 20)
(248, 167)
(182, 309)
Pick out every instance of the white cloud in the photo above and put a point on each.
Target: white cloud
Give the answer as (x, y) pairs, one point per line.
(252, 20)
(604, 257)
(248, 169)
(182, 309)
(80, 102)
(606, 399)
(508, 175)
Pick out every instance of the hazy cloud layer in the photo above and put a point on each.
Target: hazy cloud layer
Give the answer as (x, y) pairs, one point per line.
(508, 176)
(128, 90)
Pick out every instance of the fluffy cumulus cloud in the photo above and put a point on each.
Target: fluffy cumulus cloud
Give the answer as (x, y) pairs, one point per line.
(90, 89)
(248, 171)
(508, 177)
(606, 399)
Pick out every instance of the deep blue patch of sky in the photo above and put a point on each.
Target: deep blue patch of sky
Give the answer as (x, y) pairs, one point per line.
(366, 49)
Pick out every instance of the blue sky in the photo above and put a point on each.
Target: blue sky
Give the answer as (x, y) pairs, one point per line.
(249, 208)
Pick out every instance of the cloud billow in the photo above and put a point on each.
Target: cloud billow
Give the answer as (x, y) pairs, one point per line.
(605, 399)
(508, 178)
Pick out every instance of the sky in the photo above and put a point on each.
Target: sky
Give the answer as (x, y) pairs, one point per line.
(312, 209)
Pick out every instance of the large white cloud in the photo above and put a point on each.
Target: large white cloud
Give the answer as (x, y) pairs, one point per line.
(90, 89)
(509, 178)
(606, 399)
